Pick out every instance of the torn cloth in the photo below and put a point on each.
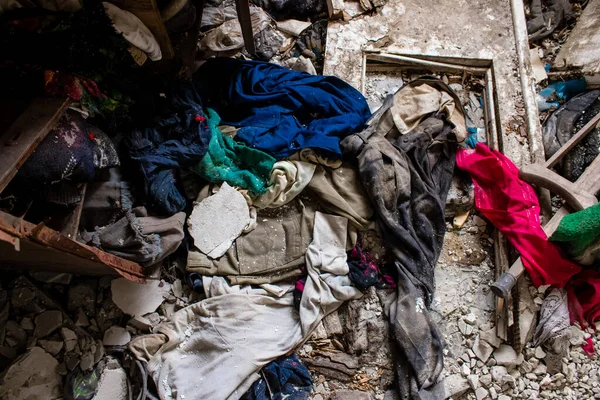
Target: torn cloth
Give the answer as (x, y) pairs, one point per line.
(364, 273)
(407, 179)
(235, 163)
(552, 330)
(177, 139)
(512, 206)
(139, 237)
(288, 179)
(281, 111)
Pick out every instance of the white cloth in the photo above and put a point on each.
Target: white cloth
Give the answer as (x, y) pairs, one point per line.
(133, 30)
(327, 285)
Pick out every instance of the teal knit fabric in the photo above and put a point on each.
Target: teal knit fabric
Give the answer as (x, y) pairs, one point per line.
(233, 162)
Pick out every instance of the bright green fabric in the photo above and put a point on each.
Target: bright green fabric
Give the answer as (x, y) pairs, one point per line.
(579, 229)
(233, 162)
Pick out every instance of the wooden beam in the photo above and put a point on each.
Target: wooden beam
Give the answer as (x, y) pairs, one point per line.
(24, 135)
(243, 12)
(42, 248)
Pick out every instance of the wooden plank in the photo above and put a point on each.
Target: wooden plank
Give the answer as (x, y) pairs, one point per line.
(147, 11)
(575, 139)
(45, 249)
(23, 136)
(243, 12)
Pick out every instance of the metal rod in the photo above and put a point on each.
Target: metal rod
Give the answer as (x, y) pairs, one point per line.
(395, 58)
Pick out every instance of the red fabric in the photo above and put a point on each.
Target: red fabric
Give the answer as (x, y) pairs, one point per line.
(584, 297)
(512, 206)
(588, 346)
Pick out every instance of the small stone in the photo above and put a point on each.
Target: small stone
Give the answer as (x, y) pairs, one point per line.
(116, 336)
(27, 324)
(504, 397)
(526, 367)
(470, 319)
(508, 380)
(15, 335)
(546, 381)
(22, 296)
(539, 353)
(455, 385)
(490, 337)
(140, 323)
(51, 346)
(485, 380)
(540, 369)
(47, 322)
(482, 350)
(70, 339)
(82, 319)
(531, 377)
(464, 328)
(535, 385)
(481, 393)
(498, 372)
(493, 393)
(87, 361)
(506, 355)
(473, 381)
(71, 362)
(465, 370)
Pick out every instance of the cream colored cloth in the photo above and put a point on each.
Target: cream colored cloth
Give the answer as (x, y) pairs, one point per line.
(133, 30)
(412, 103)
(288, 179)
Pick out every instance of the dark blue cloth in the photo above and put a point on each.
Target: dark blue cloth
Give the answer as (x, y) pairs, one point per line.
(177, 139)
(287, 379)
(281, 111)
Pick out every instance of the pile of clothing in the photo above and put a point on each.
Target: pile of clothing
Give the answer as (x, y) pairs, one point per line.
(278, 173)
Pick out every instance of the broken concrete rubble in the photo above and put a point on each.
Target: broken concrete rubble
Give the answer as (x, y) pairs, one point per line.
(32, 376)
(116, 336)
(47, 322)
(138, 299)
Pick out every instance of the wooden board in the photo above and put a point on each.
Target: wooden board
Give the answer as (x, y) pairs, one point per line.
(44, 249)
(23, 136)
(147, 11)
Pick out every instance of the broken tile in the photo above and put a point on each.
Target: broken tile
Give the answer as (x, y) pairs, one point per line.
(455, 385)
(490, 337)
(82, 319)
(214, 236)
(112, 384)
(138, 299)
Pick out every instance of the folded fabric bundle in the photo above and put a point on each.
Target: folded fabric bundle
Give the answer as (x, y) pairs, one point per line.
(284, 378)
(233, 162)
(288, 179)
(552, 330)
(178, 139)
(407, 178)
(281, 111)
(139, 237)
(71, 152)
(133, 30)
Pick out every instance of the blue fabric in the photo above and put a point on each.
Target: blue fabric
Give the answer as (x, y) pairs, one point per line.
(177, 139)
(281, 111)
(287, 379)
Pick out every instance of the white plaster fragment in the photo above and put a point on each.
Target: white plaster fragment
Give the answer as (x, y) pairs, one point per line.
(138, 299)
